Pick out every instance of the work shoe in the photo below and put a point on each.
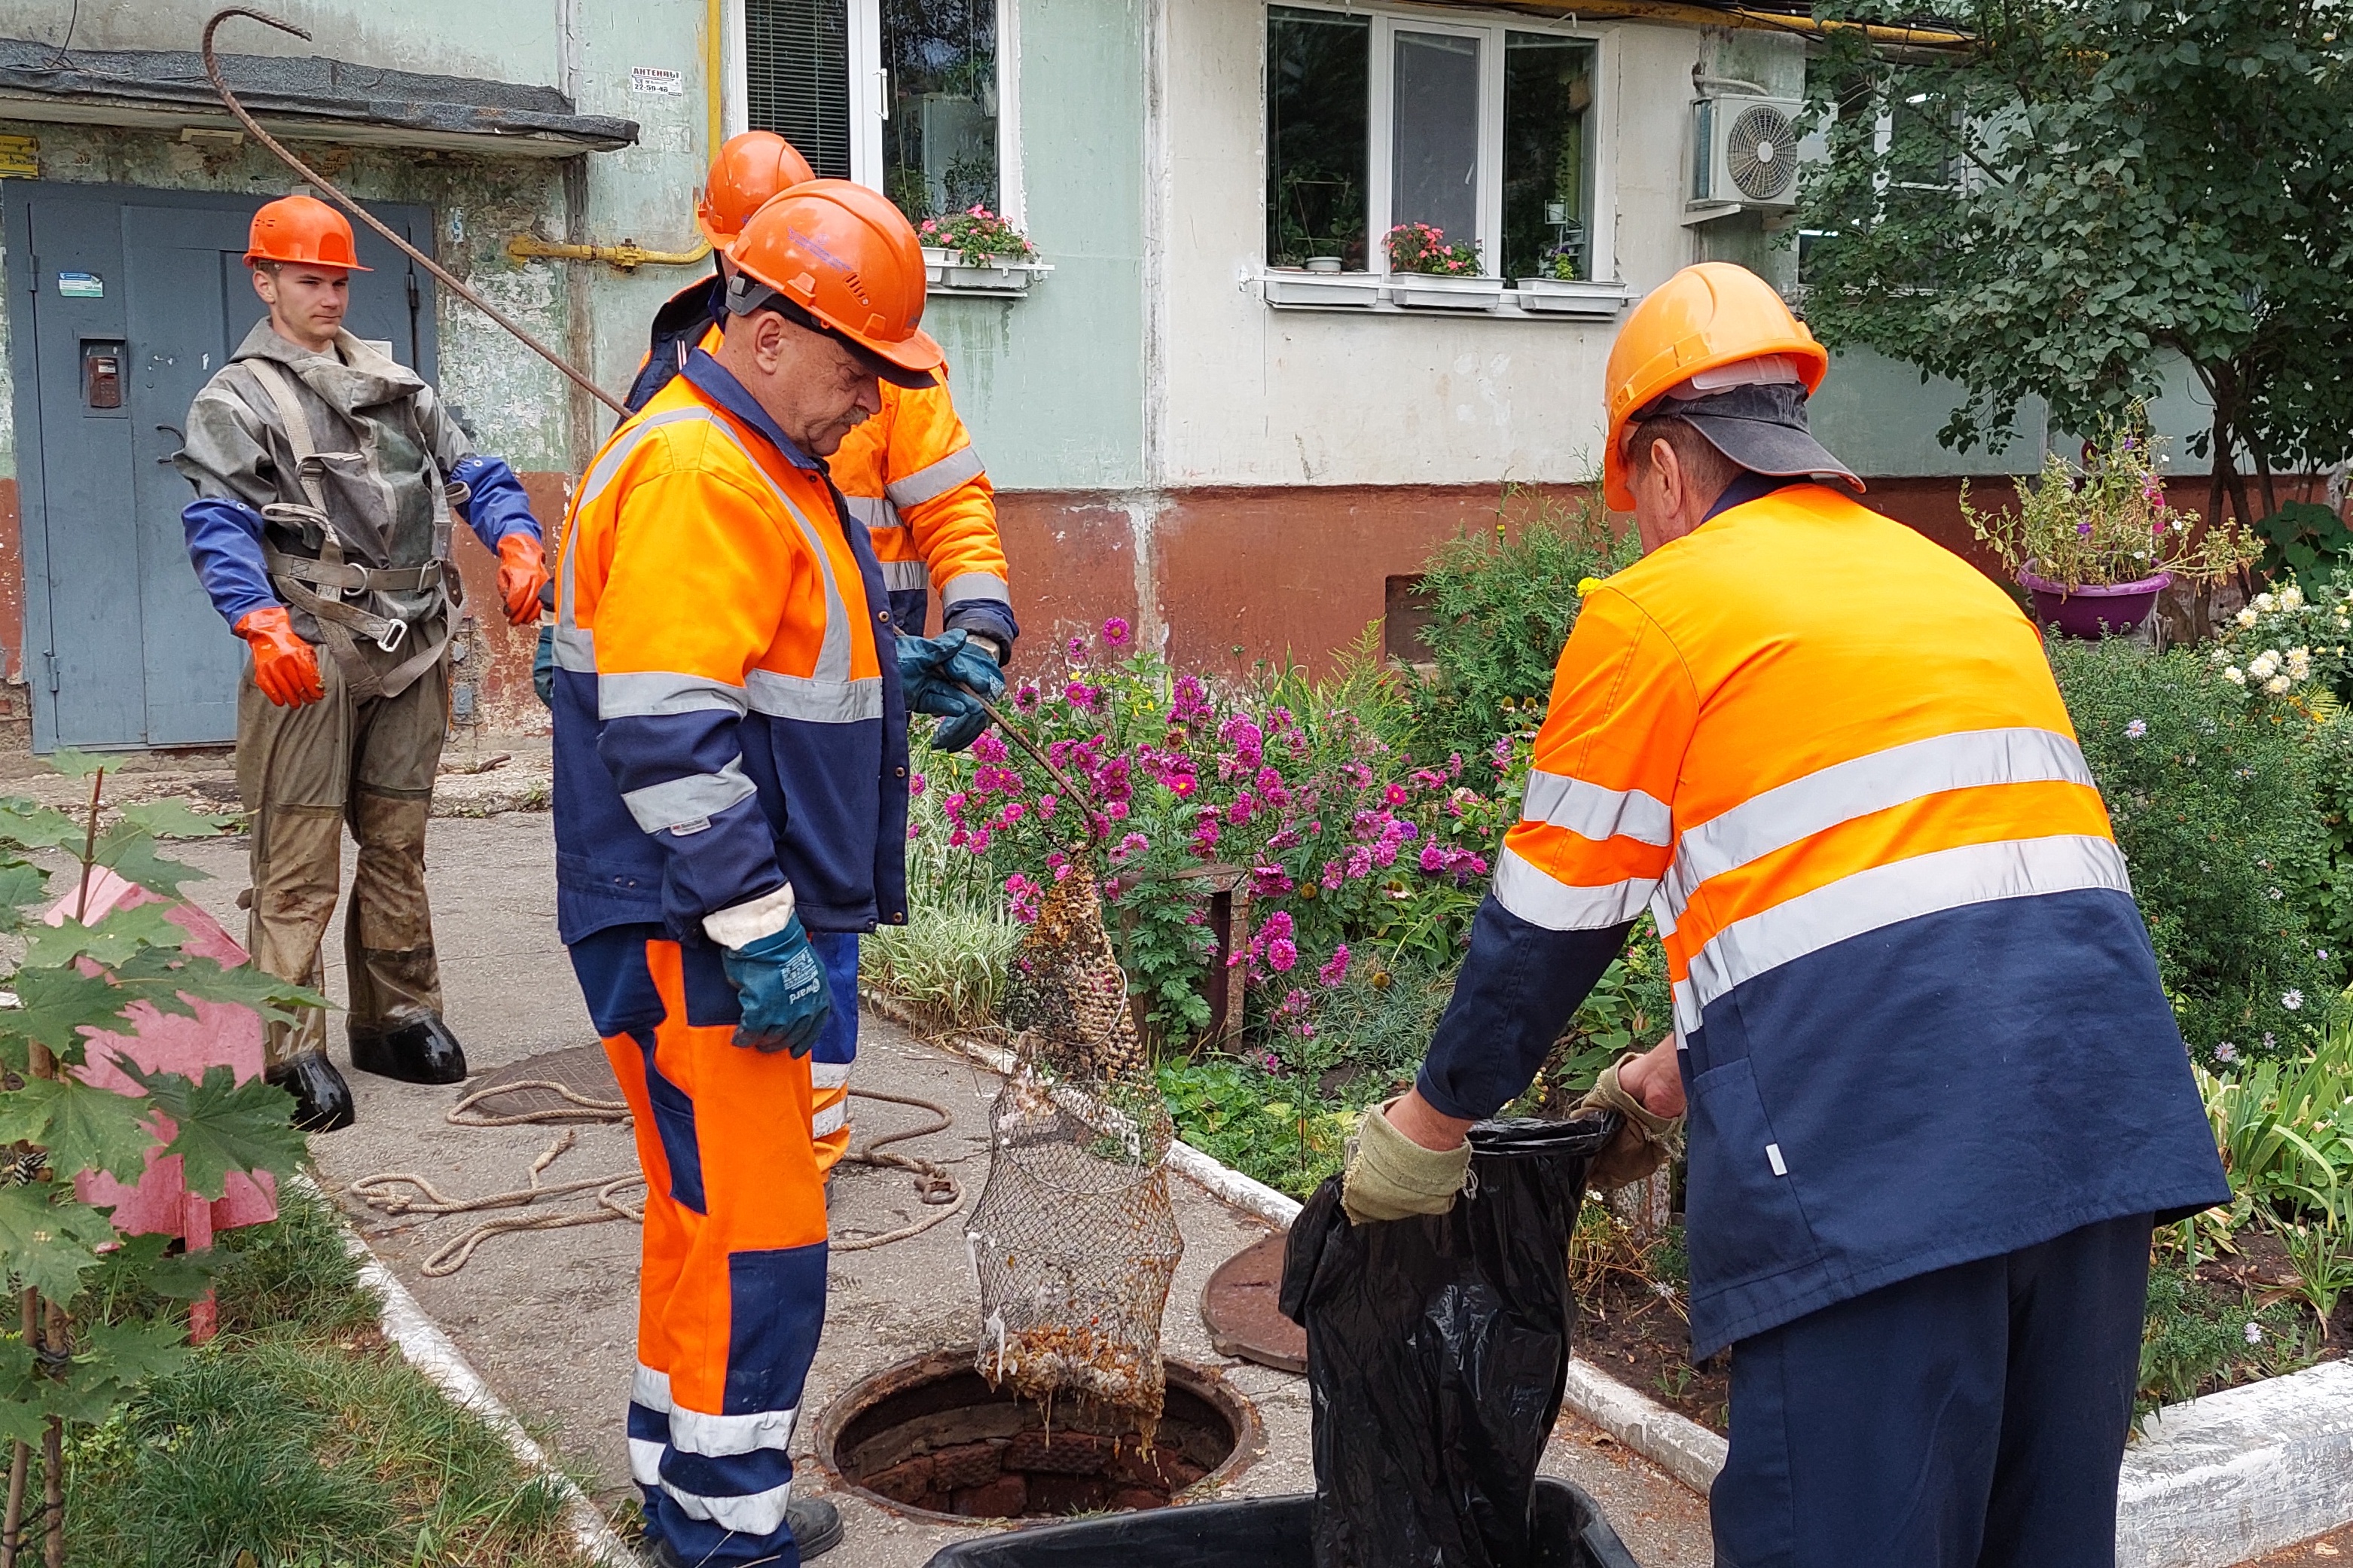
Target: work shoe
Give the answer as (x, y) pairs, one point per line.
(816, 1525)
(423, 1051)
(322, 1100)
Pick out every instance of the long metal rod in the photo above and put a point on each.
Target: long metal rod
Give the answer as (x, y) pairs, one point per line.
(212, 69)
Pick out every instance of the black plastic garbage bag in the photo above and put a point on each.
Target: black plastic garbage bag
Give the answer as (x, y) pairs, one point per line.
(1437, 1353)
(1567, 1532)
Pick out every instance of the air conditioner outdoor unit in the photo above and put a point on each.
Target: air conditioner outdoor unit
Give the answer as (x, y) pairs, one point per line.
(1745, 151)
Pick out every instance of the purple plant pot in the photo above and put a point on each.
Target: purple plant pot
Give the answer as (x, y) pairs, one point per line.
(2094, 610)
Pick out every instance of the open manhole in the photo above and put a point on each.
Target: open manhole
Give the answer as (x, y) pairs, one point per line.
(930, 1438)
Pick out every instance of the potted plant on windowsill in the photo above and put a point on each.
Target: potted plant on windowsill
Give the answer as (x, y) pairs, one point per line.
(1428, 273)
(977, 251)
(1558, 287)
(2093, 549)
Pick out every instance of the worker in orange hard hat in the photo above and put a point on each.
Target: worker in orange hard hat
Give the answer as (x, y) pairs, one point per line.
(731, 706)
(911, 478)
(326, 476)
(1936, 1096)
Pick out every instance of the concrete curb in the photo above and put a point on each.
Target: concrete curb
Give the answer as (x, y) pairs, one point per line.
(432, 1353)
(2237, 1474)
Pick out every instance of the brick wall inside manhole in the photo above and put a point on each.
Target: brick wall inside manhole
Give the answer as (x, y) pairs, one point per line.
(931, 1437)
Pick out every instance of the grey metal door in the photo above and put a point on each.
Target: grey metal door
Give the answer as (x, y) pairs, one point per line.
(121, 647)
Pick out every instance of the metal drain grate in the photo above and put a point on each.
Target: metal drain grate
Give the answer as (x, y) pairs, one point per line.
(583, 1069)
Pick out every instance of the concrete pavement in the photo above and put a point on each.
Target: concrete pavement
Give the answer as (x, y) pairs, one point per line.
(549, 1317)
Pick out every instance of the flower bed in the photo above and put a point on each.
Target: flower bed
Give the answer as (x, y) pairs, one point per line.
(1356, 818)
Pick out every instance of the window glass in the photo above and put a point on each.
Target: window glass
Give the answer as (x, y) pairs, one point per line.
(1319, 66)
(939, 142)
(1434, 148)
(797, 76)
(1548, 153)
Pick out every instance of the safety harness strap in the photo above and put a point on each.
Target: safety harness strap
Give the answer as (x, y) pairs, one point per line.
(293, 575)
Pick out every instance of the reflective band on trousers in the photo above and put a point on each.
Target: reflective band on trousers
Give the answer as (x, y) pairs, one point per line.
(935, 479)
(1790, 812)
(1525, 889)
(1900, 890)
(1592, 812)
(752, 1513)
(690, 800)
(970, 585)
(832, 1118)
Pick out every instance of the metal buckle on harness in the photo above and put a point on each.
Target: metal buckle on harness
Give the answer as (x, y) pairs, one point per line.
(390, 638)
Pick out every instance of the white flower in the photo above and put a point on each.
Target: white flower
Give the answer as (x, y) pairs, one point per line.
(2247, 617)
(2269, 1039)
(2264, 665)
(2254, 1333)
(2226, 1052)
(2299, 663)
(2274, 895)
(2292, 1000)
(2265, 602)
(2291, 597)
(2278, 684)
(2234, 675)
(2321, 954)
(2137, 728)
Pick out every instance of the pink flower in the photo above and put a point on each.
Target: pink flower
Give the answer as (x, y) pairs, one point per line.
(917, 785)
(1241, 810)
(1278, 924)
(1433, 859)
(1115, 631)
(1079, 694)
(1116, 811)
(979, 842)
(1282, 953)
(1270, 881)
(990, 748)
(1336, 970)
(1077, 648)
(1133, 845)
(1393, 795)
(1189, 703)
(1026, 696)
(1046, 804)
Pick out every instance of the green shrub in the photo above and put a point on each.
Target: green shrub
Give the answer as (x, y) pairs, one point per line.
(2211, 796)
(2196, 1339)
(1501, 608)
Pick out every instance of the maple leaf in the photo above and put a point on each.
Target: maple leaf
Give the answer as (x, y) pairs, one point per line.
(82, 1128)
(224, 1125)
(46, 1246)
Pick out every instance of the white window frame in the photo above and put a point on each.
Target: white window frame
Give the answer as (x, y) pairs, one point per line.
(1491, 29)
(869, 97)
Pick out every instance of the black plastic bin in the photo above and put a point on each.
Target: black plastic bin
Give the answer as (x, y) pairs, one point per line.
(1263, 1533)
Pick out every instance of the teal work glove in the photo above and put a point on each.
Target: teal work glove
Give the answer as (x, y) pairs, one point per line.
(543, 667)
(782, 988)
(933, 673)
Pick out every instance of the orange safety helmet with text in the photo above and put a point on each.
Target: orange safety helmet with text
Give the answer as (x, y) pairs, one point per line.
(302, 230)
(849, 257)
(1704, 317)
(750, 170)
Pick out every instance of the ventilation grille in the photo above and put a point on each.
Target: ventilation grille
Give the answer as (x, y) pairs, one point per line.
(797, 76)
(1761, 153)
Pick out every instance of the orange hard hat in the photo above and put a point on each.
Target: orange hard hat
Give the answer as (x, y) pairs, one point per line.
(845, 256)
(1704, 317)
(302, 230)
(750, 169)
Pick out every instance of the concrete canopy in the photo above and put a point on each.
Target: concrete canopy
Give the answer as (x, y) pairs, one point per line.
(310, 97)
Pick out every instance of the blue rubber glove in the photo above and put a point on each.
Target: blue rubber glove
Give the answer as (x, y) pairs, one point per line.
(782, 988)
(933, 673)
(543, 667)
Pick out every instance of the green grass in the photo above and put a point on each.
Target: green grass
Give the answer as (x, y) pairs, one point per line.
(299, 1439)
(2196, 1338)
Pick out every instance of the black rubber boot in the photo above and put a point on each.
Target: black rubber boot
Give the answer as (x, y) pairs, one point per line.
(322, 1100)
(815, 1524)
(422, 1052)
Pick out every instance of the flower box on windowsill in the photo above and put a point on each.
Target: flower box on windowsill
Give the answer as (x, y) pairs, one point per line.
(1444, 291)
(947, 272)
(1569, 296)
(1297, 286)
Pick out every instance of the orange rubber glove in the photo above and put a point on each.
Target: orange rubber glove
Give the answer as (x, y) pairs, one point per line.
(284, 666)
(522, 572)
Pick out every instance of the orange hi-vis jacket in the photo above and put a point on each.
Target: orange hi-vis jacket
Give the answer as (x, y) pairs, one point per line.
(726, 699)
(910, 474)
(1921, 1022)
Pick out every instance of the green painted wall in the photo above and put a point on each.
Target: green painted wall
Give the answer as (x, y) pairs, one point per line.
(1052, 384)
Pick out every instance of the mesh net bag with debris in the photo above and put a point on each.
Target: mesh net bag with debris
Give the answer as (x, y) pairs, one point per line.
(1074, 1242)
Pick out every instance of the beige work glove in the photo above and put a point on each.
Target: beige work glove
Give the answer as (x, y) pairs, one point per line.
(1647, 1142)
(1390, 1176)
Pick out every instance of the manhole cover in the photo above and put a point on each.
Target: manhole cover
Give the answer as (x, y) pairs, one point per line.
(522, 1089)
(1238, 1306)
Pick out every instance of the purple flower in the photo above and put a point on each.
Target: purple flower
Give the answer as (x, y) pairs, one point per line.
(1077, 648)
(2084, 529)
(1336, 969)
(1189, 703)
(1026, 695)
(1115, 631)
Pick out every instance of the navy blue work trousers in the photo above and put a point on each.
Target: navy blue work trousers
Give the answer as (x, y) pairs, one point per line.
(1972, 1417)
